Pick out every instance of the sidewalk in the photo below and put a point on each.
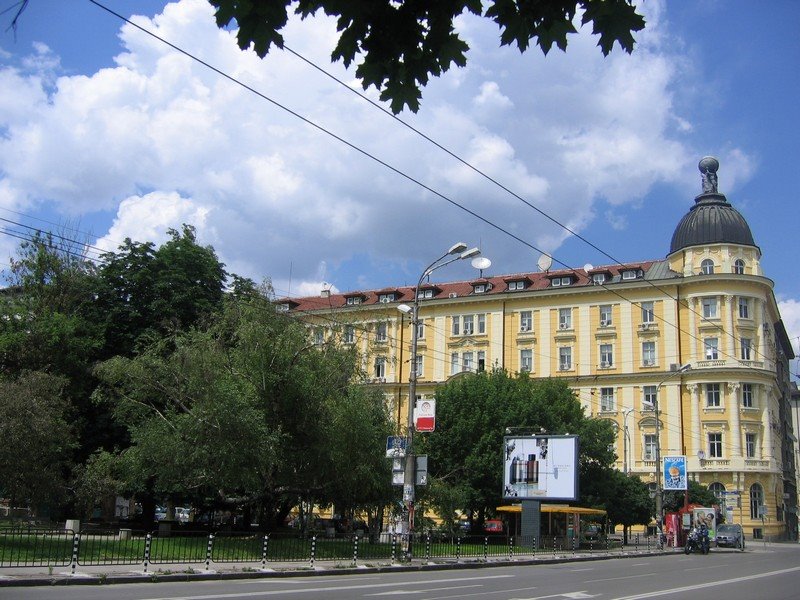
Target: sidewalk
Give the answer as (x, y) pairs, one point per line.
(110, 574)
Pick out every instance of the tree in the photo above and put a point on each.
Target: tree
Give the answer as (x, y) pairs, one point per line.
(249, 413)
(473, 411)
(403, 43)
(37, 439)
(698, 494)
(630, 502)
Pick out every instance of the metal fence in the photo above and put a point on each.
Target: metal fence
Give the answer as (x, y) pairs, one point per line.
(53, 547)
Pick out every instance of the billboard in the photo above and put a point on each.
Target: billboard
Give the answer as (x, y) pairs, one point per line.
(540, 467)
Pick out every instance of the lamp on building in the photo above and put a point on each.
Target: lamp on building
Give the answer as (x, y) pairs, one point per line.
(658, 474)
(456, 252)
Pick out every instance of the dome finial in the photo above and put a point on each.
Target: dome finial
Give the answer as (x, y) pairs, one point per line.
(708, 168)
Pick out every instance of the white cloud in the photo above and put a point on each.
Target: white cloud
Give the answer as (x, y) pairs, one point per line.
(790, 313)
(158, 140)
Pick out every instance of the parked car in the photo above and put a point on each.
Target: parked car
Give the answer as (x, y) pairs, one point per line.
(730, 536)
(493, 527)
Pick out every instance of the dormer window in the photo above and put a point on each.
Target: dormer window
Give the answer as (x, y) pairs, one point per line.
(283, 307)
(560, 281)
(425, 293)
(386, 297)
(632, 274)
(707, 267)
(353, 300)
(515, 286)
(598, 278)
(481, 288)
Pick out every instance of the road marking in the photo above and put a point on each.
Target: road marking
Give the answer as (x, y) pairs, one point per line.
(483, 593)
(579, 570)
(406, 592)
(625, 577)
(708, 584)
(575, 595)
(328, 588)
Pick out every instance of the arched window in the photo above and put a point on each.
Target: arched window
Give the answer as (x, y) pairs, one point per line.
(718, 490)
(738, 266)
(756, 500)
(707, 267)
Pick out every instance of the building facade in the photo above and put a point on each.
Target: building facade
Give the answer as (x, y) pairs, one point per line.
(622, 336)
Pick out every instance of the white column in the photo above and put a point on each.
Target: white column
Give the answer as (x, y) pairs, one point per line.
(695, 437)
(731, 338)
(693, 306)
(767, 449)
(736, 430)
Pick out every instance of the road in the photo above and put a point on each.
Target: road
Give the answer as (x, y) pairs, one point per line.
(766, 573)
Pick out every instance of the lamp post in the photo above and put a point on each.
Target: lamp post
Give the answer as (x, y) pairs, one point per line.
(456, 252)
(659, 490)
(625, 413)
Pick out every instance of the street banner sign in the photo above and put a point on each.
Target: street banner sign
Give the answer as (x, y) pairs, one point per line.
(395, 446)
(674, 473)
(425, 415)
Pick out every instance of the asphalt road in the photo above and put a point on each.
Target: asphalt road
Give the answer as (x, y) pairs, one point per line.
(763, 573)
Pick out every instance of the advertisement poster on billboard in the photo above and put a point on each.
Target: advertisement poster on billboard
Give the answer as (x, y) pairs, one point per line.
(674, 473)
(540, 468)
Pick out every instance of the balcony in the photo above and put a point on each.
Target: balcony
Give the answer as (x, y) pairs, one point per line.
(719, 363)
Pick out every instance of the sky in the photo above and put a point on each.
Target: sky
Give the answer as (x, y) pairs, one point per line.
(107, 133)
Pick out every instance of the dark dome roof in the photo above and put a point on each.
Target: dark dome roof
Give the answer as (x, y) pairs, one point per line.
(712, 220)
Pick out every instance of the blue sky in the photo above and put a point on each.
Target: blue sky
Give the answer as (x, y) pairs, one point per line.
(116, 135)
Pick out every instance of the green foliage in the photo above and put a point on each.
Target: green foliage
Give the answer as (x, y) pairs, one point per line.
(698, 494)
(403, 43)
(37, 439)
(629, 502)
(473, 410)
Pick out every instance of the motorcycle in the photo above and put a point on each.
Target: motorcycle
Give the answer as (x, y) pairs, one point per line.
(697, 542)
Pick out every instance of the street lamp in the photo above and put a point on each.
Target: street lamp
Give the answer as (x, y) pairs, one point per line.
(625, 413)
(456, 252)
(659, 490)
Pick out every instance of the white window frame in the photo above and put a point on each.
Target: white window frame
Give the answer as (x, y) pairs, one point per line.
(648, 312)
(515, 286)
(526, 320)
(711, 348)
(747, 396)
(607, 399)
(385, 298)
(467, 362)
(598, 278)
(710, 308)
(380, 367)
(750, 445)
(468, 324)
(479, 288)
(606, 356)
(649, 354)
(565, 358)
(349, 336)
(455, 363)
(739, 266)
(480, 363)
(481, 318)
(456, 325)
(707, 267)
(381, 331)
(526, 360)
(353, 300)
(715, 447)
(649, 445)
(420, 365)
(606, 315)
(649, 393)
(744, 308)
(565, 318)
(425, 294)
(628, 275)
(420, 329)
(713, 395)
(746, 348)
(319, 336)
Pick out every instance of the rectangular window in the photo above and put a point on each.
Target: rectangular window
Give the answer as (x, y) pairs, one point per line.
(565, 358)
(626, 275)
(599, 278)
(420, 329)
(713, 397)
(469, 324)
(565, 318)
(380, 332)
(353, 300)
(560, 281)
(479, 288)
(649, 450)
(715, 445)
(526, 360)
(605, 316)
(606, 356)
(747, 395)
(648, 312)
(710, 308)
(481, 323)
(380, 367)
(606, 399)
(712, 350)
(648, 354)
(455, 363)
(481, 361)
(750, 444)
(526, 320)
(466, 360)
(349, 334)
(747, 349)
(456, 329)
(422, 294)
(319, 336)
(514, 286)
(649, 397)
(744, 308)
(386, 298)
(419, 365)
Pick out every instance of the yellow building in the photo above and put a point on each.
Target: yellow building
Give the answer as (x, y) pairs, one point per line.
(619, 334)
